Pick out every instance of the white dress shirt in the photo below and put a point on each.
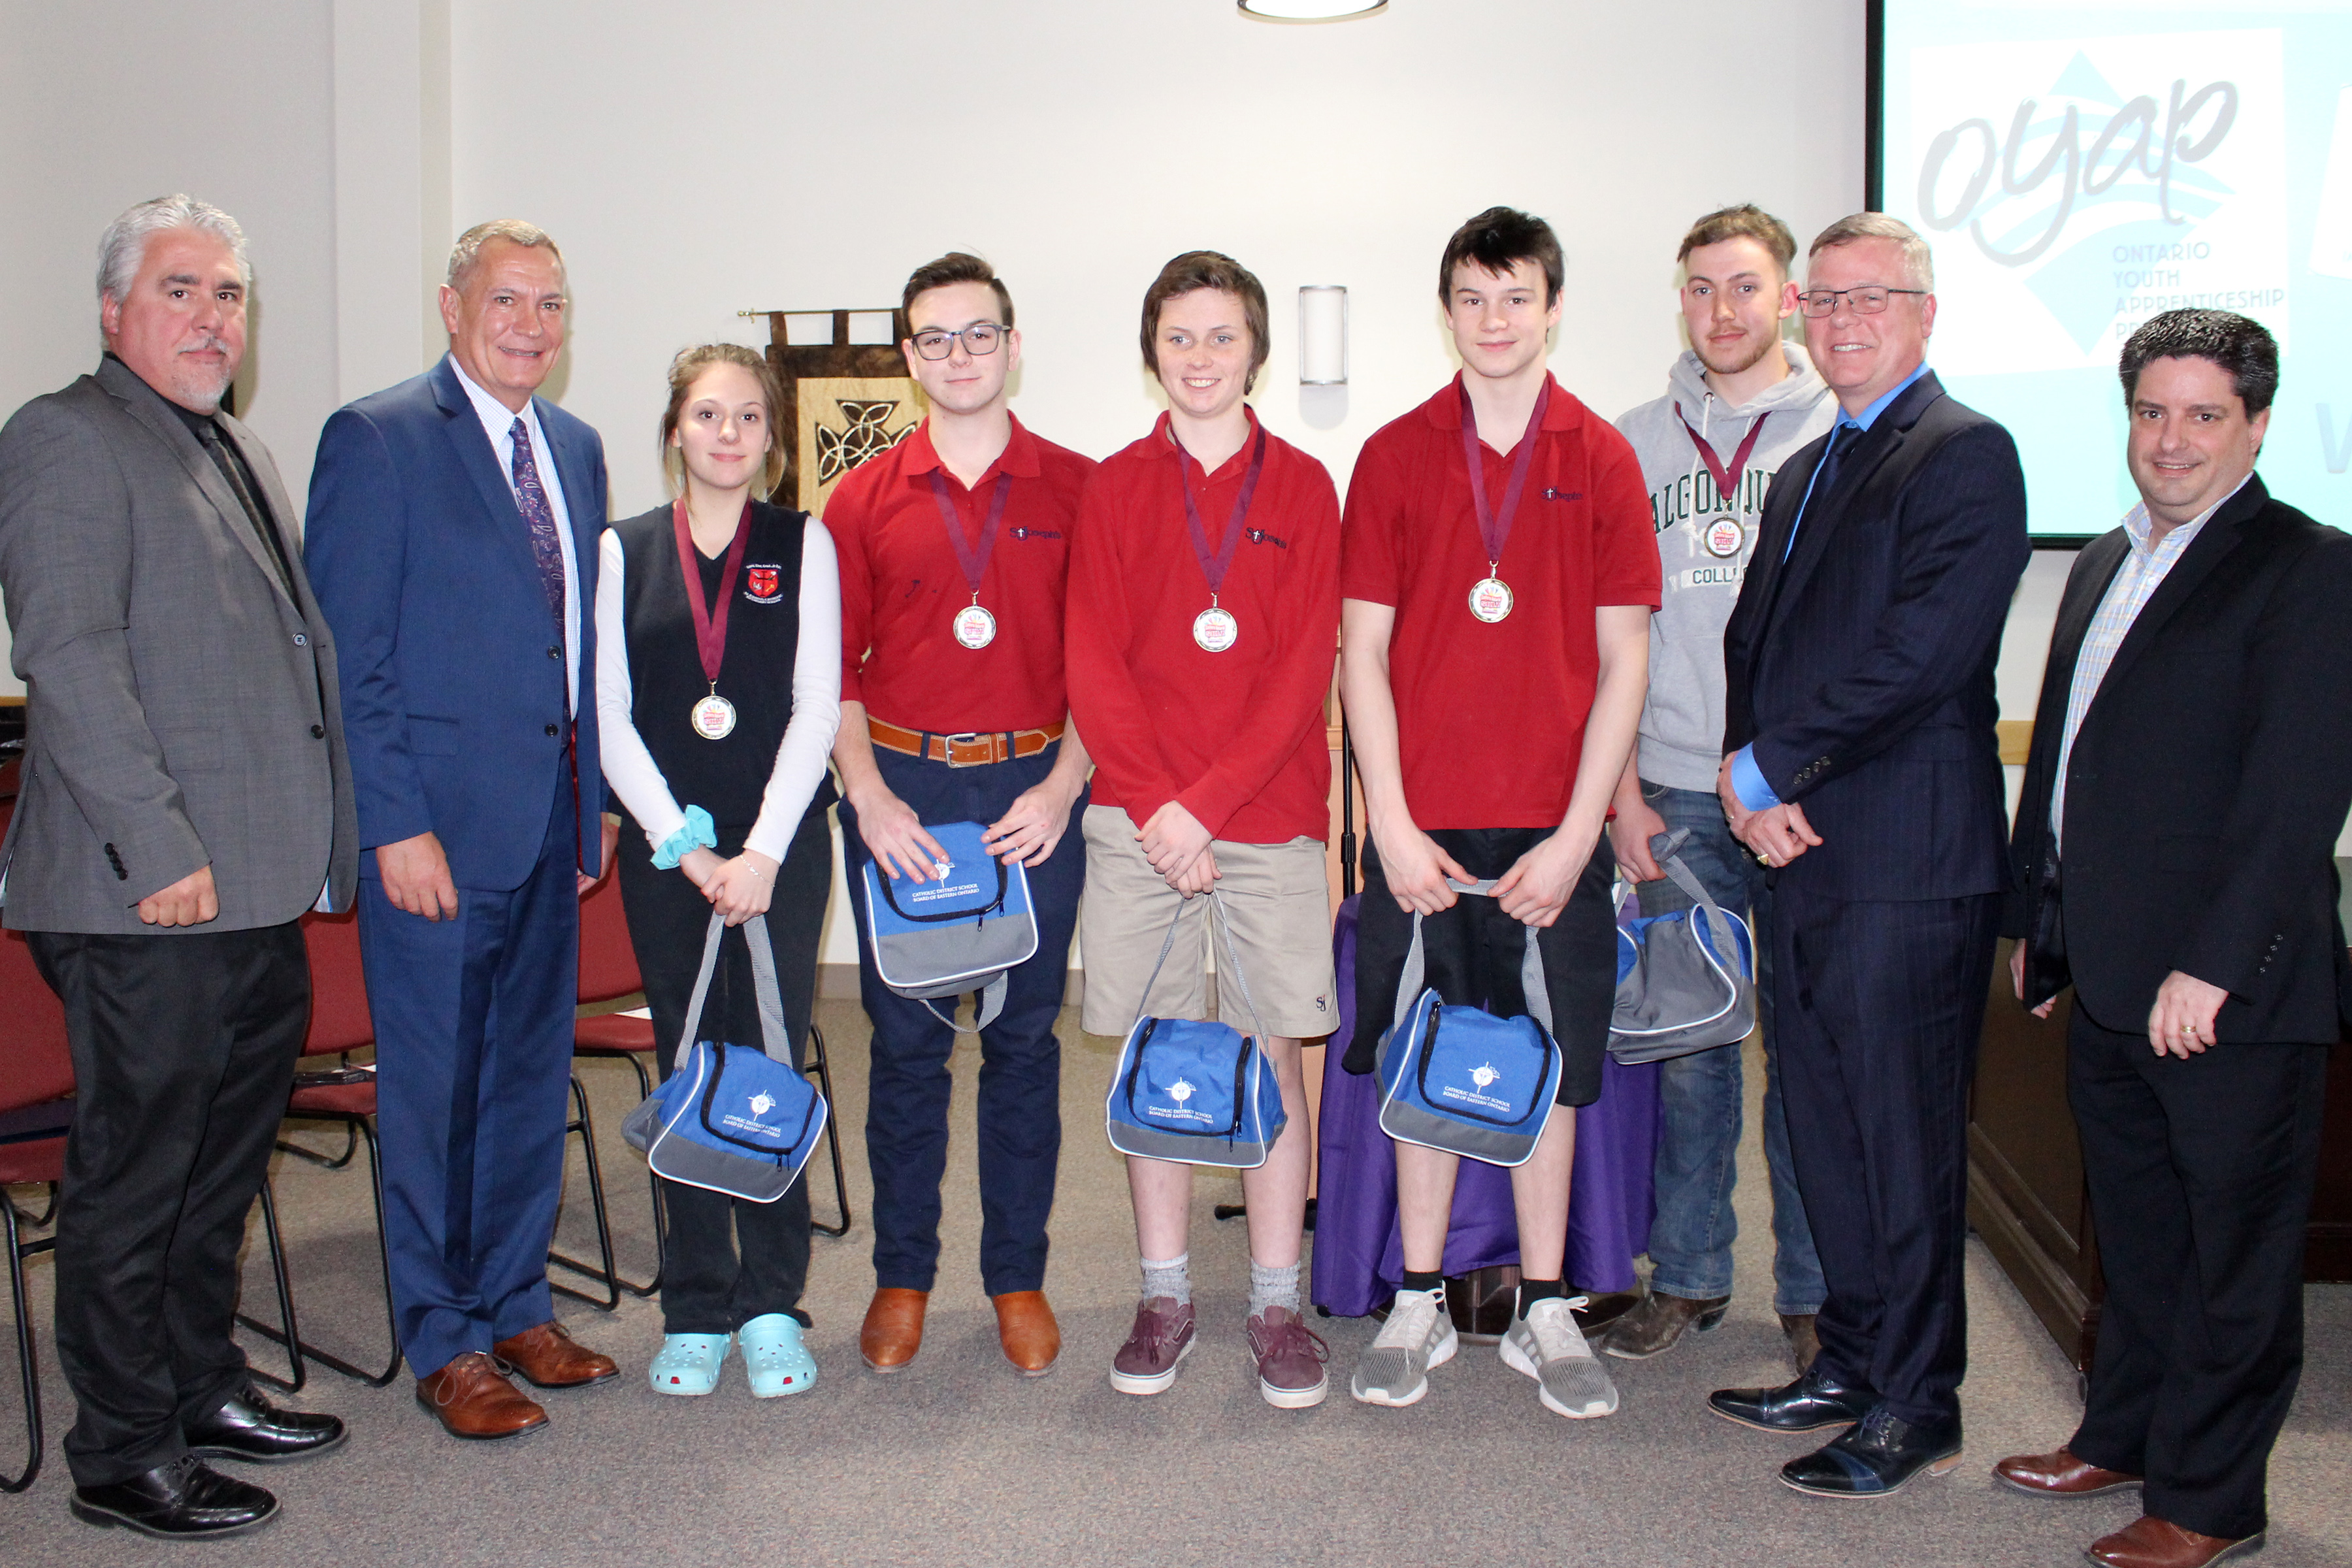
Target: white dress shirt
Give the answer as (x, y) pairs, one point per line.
(498, 423)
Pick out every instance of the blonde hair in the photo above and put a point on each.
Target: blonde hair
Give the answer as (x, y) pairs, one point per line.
(684, 370)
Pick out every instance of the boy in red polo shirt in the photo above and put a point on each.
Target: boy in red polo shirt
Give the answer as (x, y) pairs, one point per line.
(954, 548)
(1499, 575)
(1205, 599)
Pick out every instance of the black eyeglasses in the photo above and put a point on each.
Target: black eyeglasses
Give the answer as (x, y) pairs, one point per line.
(1868, 300)
(980, 338)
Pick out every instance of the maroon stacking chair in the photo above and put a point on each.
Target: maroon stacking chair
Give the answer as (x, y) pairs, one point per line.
(329, 1091)
(35, 1110)
(609, 980)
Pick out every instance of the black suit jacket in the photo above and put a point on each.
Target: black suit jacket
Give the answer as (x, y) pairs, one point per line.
(1860, 667)
(2208, 783)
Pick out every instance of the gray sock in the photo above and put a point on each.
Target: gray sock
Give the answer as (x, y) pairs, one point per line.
(1170, 1276)
(1273, 1287)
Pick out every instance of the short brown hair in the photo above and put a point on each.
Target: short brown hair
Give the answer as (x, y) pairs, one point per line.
(1497, 240)
(955, 267)
(689, 365)
(1746, 221)
(1189, 274)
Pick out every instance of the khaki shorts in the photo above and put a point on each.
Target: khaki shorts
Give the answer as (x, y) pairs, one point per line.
(1277, 897)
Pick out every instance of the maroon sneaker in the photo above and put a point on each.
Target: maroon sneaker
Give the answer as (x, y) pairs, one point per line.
(1162, 1338)
(1290, 1359)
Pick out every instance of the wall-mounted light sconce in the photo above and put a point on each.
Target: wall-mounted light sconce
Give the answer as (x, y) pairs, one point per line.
(1308, 10)
(1322, 334)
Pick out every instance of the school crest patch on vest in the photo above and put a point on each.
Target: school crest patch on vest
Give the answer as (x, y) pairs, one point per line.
(761, 583)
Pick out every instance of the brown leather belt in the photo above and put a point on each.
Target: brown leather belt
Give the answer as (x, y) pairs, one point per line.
(972, 749)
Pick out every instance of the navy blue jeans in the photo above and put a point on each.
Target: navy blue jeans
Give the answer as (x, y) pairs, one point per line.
(1700, 1096)
(1020, 1109)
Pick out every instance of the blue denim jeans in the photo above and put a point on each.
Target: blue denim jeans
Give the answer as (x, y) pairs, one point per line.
(1700, 1096)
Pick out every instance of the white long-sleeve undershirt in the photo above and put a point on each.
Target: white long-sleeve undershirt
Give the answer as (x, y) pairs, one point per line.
(801, 756)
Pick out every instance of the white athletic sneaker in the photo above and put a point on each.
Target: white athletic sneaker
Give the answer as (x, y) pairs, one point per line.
(1394, 1368)
(1548, 1346)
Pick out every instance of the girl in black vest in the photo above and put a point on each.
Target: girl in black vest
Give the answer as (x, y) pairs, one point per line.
(719, 690)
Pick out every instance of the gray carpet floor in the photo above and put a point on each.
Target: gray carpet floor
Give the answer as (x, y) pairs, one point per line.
(959, 1460)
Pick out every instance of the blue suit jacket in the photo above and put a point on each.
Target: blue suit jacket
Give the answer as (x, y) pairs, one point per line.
(1860, 667)
(452, 670)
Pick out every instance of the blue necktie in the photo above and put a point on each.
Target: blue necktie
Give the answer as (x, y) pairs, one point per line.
(1824, 477)
(531, 496)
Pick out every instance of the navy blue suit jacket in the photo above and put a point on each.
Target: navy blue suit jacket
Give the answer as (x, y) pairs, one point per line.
(1860, 667)
(453, 674)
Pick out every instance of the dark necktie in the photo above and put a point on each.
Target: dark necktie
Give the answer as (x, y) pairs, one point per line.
(1824, 478)
(531, 496)
(232, 468)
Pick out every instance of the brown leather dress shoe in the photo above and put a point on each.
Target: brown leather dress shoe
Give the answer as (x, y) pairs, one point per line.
(1026, 1328)
(550, 1358)
(473, 1399)
(2061, 1474)
(894, 1327)
(2153, 1542)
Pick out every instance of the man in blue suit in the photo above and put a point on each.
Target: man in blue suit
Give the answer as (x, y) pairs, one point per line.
(451, 538)
(1863, 771)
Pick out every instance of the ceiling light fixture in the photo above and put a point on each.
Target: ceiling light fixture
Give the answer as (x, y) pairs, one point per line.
(1308, 10)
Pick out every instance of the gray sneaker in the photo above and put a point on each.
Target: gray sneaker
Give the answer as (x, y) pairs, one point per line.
(1394, 1368)
(1161, 1340)
(1546, 1345)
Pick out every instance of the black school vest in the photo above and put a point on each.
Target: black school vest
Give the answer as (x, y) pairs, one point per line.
(725, 777)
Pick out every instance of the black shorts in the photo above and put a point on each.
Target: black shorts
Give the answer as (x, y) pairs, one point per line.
(1472, 954)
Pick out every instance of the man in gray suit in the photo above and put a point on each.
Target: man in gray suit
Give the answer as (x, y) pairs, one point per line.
(186, 799)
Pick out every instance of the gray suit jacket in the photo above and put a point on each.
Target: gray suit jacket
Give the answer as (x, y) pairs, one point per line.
(181, 707)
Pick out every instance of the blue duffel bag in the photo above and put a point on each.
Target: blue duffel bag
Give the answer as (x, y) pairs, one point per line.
(1194, 1092)
(1686, 981)
(731, 1119)
(957, 936)
(1461, 1079)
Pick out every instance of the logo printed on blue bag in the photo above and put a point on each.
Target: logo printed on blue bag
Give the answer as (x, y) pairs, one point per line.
(1481, 1076)
(762, 1103)
(1179, 1091)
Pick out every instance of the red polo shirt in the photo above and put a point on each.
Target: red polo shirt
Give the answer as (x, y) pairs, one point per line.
(1490, 718)
(901, 586)
(1237, 736)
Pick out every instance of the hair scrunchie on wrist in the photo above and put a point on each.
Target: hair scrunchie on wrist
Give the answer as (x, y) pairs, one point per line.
(697, 834)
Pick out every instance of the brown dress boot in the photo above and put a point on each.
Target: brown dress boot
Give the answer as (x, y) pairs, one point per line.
(894, 1327)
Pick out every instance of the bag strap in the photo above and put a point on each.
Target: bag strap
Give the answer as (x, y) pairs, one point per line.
(1233, 960)
(1666, 848)
(991, 1003)
(1532, 969)
(774, 1037)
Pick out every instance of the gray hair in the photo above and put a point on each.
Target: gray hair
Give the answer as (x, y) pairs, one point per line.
(468, 248)
(124, 246)
(1918, 266)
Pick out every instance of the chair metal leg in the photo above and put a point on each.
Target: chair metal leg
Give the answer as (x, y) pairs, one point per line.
(25, 1367)
(821, 1064)
(300, 1350)
(335, 1163)
(608, 1276)
(47, 1214)
(290, 1334)
(661, 1237)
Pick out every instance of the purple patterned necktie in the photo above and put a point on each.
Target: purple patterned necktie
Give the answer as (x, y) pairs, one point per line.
(546, 548)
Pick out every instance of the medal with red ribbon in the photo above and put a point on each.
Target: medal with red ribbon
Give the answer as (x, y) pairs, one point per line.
(1724, 536)
(973, 626)
(714, 716)
(1214, 628)
(1490, 596)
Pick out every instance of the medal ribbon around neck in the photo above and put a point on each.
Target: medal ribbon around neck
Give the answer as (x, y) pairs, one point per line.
(973, 561)
(1494, 531)
(1727, 480)
(1215, 567)
(710, 627)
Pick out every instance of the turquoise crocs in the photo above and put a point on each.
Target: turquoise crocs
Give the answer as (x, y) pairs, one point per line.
(690, 1363)
(773, 1357)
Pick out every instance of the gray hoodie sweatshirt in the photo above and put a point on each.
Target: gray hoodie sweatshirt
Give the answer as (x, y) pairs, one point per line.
(1703, 556)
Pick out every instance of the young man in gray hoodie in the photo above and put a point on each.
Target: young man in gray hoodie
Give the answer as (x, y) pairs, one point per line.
(1737, 403)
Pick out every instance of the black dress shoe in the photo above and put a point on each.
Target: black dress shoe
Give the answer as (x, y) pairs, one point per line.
(1878, 1455)
(183, 1501)
(1812, 1401)
(250, 1428)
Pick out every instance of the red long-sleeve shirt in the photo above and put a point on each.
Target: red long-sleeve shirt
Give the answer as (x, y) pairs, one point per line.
(1237, 737)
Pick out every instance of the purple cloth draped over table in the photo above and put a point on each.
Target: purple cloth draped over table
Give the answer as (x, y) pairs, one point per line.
(1358, 1253)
